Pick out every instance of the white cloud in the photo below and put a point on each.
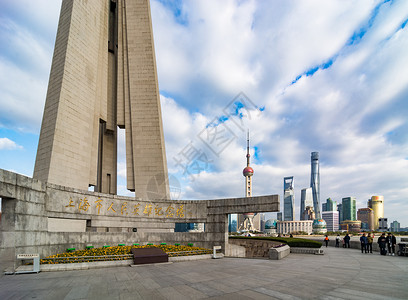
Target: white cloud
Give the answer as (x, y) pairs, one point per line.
(7, 144)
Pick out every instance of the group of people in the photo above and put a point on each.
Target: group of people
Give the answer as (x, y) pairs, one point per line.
(345, 240)
(390, 241)
(366, 241)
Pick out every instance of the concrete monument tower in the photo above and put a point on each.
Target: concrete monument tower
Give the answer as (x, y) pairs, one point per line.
(103, 76)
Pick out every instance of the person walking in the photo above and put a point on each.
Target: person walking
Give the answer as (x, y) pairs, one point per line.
(326, 240)
(391, 242)
(382, 241)
(364, 242)
(370, 243)
(347, 241)
(337, 241)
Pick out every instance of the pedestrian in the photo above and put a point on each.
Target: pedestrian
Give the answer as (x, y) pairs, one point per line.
(347, 241)
(370, 243)
(382, 241)
(343, 242)
(326, 240)
(338, 241)
(364, 242)
(391, 242)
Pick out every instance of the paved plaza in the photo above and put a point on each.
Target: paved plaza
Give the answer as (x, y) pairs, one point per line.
(339, 274)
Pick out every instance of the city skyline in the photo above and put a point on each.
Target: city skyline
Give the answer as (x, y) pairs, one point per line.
(329, 77)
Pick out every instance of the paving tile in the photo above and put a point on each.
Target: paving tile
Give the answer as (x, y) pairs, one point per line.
(341, 274)
(276, 294)
(232, 296)
(204, 288)
(190, 292)
(255, 295)
(78, 292)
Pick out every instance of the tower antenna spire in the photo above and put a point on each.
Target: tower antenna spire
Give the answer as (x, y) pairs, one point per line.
(248, 155)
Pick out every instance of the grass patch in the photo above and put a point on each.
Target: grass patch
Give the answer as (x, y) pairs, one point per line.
(291, 242)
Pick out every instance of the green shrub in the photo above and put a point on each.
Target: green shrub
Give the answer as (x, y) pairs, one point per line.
(291, 242)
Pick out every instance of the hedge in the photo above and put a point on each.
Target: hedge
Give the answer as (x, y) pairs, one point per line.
(291, 242)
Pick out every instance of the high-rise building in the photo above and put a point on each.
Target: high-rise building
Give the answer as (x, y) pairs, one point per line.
(103, 76)
(332, 219)
(349, 209)
(376, 203)
(308, 214)
(366, 216)
(383, 224)
(315, 183)
(232, 223)
(395, 226)
(279, 216)
(324, 207)
(306, 199)
(288, 199)
(330, 205)
(340, 210)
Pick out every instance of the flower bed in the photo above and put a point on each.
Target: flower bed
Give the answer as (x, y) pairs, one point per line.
(118, 253)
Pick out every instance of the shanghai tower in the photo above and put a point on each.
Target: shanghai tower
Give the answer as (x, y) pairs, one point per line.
(315, 183)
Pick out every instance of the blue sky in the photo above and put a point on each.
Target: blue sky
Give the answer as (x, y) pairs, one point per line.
(326, 76)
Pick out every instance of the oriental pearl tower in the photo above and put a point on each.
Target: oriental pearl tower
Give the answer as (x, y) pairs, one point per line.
(246, 223)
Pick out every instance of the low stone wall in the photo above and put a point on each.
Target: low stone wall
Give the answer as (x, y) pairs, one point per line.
(279, 253)
(45, 218)
(254, 248)
(232, 250)
(301, 250)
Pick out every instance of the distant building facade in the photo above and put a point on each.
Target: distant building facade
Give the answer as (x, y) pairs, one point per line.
(366, 216)
(308, 214)
(352, 226)
(383, 224)
(340, 210)
(270, 226)
(286, 227)
(395, 226)
(330, 205)
(279, 216)
(288, 199)
(376, 203)
(306, 200)
(349, 209)
(332, 220)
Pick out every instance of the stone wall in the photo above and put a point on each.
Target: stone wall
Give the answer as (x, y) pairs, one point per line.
(254, 248)
(39, 217)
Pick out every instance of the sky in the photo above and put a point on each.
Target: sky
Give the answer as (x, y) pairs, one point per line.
(301, 76)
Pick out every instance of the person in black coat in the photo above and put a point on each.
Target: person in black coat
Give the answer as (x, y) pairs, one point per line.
(382, 242)
(391, 242)
(347, 241)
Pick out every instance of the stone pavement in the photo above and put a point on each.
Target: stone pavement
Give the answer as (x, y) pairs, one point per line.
(339, 274)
